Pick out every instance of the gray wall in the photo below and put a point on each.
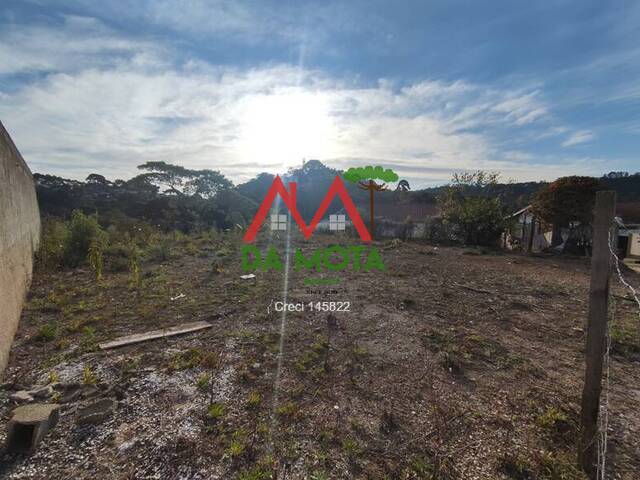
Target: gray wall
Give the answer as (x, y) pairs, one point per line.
(19, 237)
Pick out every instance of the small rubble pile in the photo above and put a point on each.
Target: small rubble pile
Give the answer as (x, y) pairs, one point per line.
(31, 421)
(28, 396)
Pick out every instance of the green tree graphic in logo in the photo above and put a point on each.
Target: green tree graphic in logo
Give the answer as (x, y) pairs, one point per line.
(365, 178)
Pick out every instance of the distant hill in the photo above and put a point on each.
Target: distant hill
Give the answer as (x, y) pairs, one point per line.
(140, 198)
(314, 178)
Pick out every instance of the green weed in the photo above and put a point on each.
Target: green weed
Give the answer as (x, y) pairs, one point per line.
(47, 332)
(288, 411)
(254, 400)
(88, 376)
(216, 411)
(203, 382)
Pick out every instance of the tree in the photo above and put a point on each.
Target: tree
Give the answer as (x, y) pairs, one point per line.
(616, 175)
(98, 179)
(470, 206)
(171, 176)
(567, 200)
(364, 177)
(141, 185)
(257, 187)
(206, 183)
(180, 180)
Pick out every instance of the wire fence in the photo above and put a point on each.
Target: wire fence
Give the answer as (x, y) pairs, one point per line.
(603, 417)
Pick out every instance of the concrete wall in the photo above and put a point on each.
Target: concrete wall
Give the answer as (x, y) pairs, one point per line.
(19, 237)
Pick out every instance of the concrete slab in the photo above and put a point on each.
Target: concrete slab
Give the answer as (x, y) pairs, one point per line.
(96, 412)
(28, 426)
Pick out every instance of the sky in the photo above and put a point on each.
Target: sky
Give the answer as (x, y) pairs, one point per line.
(534, 90)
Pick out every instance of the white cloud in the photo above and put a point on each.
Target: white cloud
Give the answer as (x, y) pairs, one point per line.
(291, 25)
(522, 108)
(77, 44)
(108, 106)
(578, 137)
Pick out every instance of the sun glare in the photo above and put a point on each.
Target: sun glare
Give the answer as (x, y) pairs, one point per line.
(284, 128)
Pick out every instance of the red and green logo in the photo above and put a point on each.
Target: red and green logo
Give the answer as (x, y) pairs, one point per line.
(334, 257)
(365, 178)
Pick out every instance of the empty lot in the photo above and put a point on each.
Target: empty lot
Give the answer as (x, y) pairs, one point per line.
(450, 363)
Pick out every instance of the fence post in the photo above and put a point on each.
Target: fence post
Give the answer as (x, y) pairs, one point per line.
(604, 213)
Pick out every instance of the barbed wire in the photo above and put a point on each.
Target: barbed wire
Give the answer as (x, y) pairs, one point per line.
(603, 417)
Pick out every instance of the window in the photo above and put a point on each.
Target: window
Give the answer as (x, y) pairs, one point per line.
(278, 222)
(337, 222)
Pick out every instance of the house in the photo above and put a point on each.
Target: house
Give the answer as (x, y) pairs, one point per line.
(528, 233)
(525, 232)
(628, 239)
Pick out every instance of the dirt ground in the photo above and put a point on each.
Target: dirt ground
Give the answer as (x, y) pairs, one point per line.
(451, 363)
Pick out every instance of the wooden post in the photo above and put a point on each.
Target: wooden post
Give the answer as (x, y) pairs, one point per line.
(532, 231)
(604, 213)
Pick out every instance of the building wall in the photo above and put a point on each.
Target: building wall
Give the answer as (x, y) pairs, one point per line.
(634, 245)
(19, 237)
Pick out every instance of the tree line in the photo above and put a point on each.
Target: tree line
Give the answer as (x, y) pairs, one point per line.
(169, 197)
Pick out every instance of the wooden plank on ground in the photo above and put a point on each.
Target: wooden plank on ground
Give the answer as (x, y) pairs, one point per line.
(165, 332)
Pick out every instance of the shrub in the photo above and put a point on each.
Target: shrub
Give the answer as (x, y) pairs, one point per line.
(470, 208)
(83, 230)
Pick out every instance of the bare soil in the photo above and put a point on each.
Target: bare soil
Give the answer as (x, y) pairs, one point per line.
(451, 363)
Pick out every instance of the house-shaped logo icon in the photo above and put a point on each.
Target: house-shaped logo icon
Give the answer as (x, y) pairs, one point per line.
(289, 198)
